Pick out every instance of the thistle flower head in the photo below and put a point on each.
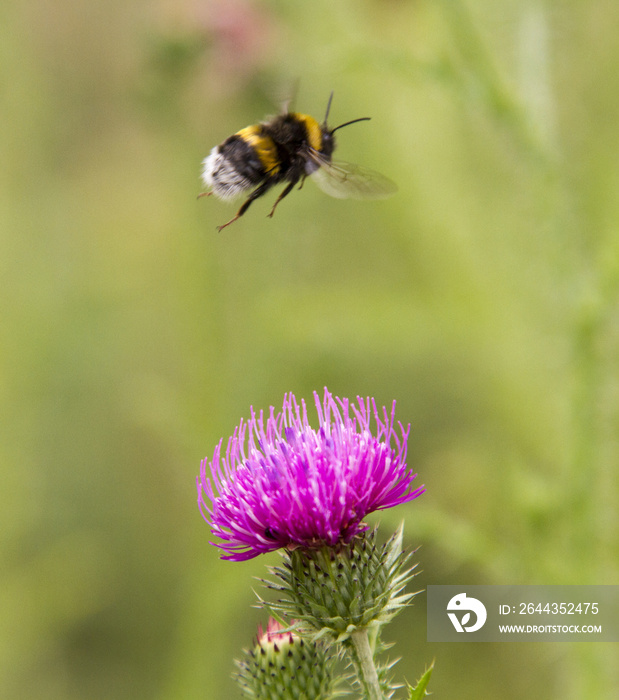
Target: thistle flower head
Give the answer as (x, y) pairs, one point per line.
(283, 666)
(282, 483)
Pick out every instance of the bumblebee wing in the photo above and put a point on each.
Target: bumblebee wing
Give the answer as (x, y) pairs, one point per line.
(347, 181)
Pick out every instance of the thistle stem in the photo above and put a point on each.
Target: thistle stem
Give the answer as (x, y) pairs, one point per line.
(364, 662)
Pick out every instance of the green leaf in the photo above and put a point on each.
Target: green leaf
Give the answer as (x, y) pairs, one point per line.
(419, 691)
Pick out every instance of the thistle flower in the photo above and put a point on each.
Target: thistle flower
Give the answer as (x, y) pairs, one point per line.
(286, 484)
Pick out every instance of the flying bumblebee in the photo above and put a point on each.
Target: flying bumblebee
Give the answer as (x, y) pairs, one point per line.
(287, 148)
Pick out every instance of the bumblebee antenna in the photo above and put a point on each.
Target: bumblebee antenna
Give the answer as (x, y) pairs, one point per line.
(353, 121)
(328, 108)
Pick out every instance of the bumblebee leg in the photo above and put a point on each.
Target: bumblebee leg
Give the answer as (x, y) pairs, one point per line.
(288, 190)
(232, 220)
(258, 192)
(302, 181)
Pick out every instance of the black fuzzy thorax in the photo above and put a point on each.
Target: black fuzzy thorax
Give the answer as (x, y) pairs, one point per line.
(289, 134)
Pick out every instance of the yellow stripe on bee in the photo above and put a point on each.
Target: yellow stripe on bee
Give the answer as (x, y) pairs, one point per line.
(314, 131)
(263, 146)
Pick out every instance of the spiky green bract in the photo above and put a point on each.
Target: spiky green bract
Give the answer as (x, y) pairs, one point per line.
(282, 666)
(419, 691)
(333, 591)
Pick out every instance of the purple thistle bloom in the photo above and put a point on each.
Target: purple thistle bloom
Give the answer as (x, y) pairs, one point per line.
(286, 484)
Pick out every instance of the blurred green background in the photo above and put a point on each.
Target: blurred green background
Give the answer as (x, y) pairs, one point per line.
(483, 298)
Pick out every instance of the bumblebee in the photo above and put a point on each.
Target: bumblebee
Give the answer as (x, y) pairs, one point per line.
(287, 148)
